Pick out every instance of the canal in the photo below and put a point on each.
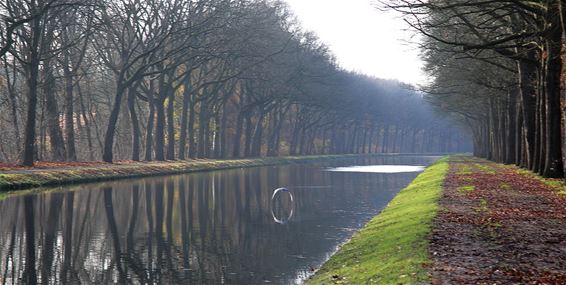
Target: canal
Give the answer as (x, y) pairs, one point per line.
(217, 227)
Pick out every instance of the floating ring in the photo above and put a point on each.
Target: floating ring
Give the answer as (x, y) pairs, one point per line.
(277, 220)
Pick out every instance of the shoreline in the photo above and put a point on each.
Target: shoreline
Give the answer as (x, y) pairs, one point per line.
(22, 179)
(490, 208)
(392, 247)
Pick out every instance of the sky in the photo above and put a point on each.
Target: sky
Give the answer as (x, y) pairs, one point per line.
(363, 38)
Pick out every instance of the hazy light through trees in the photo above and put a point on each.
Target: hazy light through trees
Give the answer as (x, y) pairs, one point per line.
(364, 38)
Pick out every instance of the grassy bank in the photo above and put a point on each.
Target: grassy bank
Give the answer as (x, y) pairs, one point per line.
(29, 178)
(392, 248)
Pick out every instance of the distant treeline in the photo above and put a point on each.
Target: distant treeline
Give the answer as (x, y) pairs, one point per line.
(499, 69)
(172, 79)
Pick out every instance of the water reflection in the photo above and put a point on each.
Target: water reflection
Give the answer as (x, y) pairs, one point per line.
(204, 228)
(379, 168)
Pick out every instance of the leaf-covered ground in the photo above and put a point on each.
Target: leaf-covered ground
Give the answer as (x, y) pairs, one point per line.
(498, 225)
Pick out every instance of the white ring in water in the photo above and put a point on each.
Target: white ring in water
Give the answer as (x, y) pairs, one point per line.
(277, 220)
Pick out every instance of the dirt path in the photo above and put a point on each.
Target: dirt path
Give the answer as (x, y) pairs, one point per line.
(497, 225)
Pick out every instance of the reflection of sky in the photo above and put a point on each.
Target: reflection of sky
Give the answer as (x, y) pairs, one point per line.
(379, 168)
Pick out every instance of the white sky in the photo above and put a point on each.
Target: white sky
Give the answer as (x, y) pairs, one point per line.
(363, 38)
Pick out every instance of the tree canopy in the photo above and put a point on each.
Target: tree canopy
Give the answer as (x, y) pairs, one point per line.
(171, 79)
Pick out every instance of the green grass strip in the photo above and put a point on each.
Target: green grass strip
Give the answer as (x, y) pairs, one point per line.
(393, 247)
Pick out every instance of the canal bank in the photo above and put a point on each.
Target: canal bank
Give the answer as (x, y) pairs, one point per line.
(393, 246)
(24, 178)
(463, 220)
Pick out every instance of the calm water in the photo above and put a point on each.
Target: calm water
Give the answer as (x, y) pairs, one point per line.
(220, 227)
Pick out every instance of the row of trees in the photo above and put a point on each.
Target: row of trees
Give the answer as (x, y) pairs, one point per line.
(498, 69)
(172, 79)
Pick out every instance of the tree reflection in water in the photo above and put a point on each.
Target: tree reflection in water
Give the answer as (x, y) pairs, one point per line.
(198, 228)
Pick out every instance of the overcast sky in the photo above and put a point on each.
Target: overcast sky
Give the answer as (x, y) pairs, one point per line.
(362, 37)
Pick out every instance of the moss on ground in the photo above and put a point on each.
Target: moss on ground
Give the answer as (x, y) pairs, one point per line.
(393, 247)
(466, 189)
(23, 179)
(505, 186)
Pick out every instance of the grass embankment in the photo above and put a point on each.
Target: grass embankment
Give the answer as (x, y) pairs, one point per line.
(393, 247)
(29, 178)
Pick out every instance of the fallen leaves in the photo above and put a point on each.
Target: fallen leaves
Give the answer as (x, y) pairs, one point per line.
(511, 229)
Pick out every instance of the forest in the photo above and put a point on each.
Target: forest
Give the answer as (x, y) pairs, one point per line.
(167, 79)
(498, 68)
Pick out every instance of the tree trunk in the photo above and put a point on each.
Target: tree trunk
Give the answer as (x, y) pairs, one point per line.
(385, 142)
(238, 135)
(171, 124)
(370, 138)
(206, 133)
(191, 132)
(353, 139)
(217, 141)
(160, 129)
(69, 112)
(528, 79)
(13, 100)
(394, 137)
(132, 94)
(184, 117)
(324, 137)
(164, 89)
(562, 10)
(511, 109)
(274, 142)
(56, 141)
(203, 130)
(540, 126)
(223, 126)
(107, 154)
(248, 135)
(32, 75)
(414, 141)
(87, 126)
(520, 157)
(150, 122)
(553, 166)
(364, 140)
(257, 136)
(295, 138)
